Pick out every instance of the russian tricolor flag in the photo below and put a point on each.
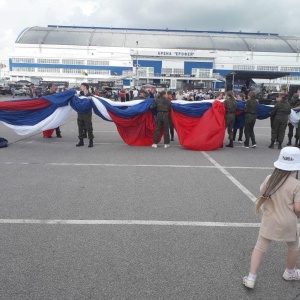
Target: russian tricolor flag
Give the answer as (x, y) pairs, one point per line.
(200, 125)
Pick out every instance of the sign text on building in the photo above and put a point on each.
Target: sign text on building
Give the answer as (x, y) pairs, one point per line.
(176, 53)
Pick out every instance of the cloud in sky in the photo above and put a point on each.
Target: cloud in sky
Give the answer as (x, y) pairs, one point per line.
(273, 16)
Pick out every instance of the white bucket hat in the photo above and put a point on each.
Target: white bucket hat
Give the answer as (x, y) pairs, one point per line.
(289, 159)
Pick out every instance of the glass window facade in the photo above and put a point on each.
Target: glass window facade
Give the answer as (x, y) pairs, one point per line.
(23, 69)
(22, 60)
(97, 62)
(48, 61)
(73, 62)
(73, 71)
(243, 67)
(48, 70)
(101, 72)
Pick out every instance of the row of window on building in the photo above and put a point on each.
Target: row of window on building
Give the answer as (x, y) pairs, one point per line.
(266, 68)
(61, 61)
(141, 72)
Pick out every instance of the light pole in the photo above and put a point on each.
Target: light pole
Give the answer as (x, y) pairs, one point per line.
(233, 81)
(137, 65)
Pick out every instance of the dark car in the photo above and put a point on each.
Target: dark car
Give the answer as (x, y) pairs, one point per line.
(273, 96)
(5, 90)
(40, 91)
(270, 98)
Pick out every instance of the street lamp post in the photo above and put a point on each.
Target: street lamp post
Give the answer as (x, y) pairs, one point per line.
(137, 65)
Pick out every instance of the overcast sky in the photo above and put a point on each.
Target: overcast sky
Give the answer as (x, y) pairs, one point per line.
(272, 16)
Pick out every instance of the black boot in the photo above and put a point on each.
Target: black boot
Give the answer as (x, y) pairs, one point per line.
(289, 142)
(91, 143)
(296, 143)
(272, 145)
(80, 143)
(230, 144)
(279, 146)
(57, 131)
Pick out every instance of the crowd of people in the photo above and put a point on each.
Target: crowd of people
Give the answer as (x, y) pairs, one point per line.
(279, 119)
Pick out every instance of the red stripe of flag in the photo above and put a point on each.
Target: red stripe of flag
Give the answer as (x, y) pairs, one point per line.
(24, 105)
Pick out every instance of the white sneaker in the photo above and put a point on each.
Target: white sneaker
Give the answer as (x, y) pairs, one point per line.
(248, 282)
(287, 276)
(167, 146)
(154, 146)
(254, 146)
(240, 141)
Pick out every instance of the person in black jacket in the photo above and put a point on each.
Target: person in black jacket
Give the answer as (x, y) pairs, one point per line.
(84, 121)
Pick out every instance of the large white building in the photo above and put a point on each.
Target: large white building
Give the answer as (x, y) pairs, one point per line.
(172, 58)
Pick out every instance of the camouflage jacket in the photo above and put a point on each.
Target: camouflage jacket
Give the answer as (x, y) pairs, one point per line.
(251, 106)
(230, 105)
(281, 108)
(161, 104)
(294, 102)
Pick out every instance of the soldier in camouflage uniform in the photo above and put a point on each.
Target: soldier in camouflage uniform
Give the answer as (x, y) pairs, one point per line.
(230, 107)
(84, 121)
(163, 106)
(250, 119)
(281, 112)
(294, 102)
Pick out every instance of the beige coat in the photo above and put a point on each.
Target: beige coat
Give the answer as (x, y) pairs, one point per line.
(279, 221)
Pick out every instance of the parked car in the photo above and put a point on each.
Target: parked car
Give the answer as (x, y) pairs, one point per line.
(5, 90)
(270, 98)
(40, 91)
(20, 92)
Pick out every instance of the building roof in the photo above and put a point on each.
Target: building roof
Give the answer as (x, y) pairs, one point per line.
(159, 39)
(256, 74)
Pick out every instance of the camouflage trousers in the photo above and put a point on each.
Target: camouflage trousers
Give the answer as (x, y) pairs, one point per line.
(278, 128)
(84, 121)
(229, 120)
(249, 129)
(162, 121)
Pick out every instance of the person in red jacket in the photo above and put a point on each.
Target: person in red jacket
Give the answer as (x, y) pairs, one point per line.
(122, 95)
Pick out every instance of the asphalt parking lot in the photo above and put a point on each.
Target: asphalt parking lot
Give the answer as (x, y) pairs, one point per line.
(121, 222)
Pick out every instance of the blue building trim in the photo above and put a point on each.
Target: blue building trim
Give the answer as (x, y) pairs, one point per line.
(126, 81)
(222, 72)
(117, 70)
(163, 30)
(156, 64)
(189, 65)
(227, 72)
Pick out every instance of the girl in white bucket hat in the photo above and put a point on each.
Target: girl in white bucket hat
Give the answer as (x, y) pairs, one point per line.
(280, 207)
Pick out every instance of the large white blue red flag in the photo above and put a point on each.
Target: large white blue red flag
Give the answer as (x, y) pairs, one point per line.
(199, 125)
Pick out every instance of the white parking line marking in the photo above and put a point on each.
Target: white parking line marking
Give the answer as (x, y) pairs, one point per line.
(127, 222)
(230, 177)
(142, 165)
